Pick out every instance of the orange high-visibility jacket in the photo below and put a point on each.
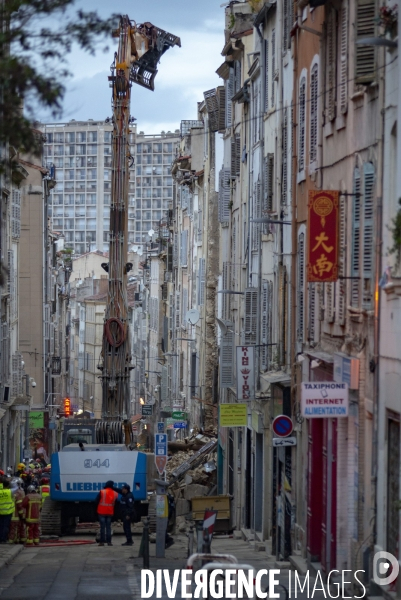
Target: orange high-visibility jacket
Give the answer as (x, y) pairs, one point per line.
(108, 498)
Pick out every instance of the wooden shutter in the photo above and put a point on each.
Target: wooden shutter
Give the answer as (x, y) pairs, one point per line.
(266, 90)
(331, 64)
(365, 55)
(229, 95)
(184, 248)
(237, 154)
(177, 309)
(227, 360)
(233, 170)
(311, 312)
(284, 158)
(314, 91)
(268, 183)
(224, 195)
(273, 100)
(16, 213)
(184, 305)
(286, 24)
(212, 107)
(329, 302)
(282, 312)
(356, 240)
(301, 125)
(237, 76)
(368, 237)
(301, 288)
(256, 214)
(264, 327)
(201, 279)
(251, 316)
(344, 58)
(221, 99)
(226, 301)
(342, 256)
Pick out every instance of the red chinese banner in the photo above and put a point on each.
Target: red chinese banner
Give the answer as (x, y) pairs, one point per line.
(322, 256)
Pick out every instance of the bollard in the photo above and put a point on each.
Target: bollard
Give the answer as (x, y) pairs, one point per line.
(199, 536)
(144, 547)
(206, 545)
(191, 540)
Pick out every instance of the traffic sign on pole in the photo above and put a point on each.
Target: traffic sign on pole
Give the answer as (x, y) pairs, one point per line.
(161, 451)
(179, 414)
(283, 426)
(288, 441)
(160, 427)
(161, 462)
(161, 444)
(180, 425)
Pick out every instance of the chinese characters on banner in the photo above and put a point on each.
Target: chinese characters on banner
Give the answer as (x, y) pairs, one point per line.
(245, 372)
(322, 258)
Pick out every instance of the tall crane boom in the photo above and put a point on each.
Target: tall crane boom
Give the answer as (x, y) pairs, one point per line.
(139, 50)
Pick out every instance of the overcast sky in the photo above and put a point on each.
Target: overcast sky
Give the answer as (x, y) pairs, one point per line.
(184, 73)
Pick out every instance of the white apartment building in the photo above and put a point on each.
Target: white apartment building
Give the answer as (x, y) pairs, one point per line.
(81, 152)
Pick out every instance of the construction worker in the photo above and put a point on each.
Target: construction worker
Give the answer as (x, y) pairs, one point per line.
(17, 533)
(105, 502)
(7, 506)
(44, 488)
(33, 505)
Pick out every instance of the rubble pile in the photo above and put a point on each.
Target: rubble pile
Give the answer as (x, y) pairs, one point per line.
(196, 479)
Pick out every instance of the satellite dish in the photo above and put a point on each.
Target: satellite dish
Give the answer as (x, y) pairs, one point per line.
(135, 248)
(151, 401)
(223, 326)
(192, 316)
(151, 232)
(140, 252)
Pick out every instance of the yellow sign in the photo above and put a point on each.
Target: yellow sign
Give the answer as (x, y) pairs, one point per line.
(233, 415)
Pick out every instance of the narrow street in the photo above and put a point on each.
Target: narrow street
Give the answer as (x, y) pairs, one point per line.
(88, 571)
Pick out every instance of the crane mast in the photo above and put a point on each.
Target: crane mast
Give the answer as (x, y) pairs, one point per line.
(139, 50)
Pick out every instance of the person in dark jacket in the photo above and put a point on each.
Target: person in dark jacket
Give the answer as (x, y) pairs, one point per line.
(127, 511)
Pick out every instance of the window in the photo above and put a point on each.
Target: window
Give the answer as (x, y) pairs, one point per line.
(287, 23)
(184, 248)
(229, 95)
(284, 158)
(331, 64)
(273, 65)
(368, 237)
(314, 92)
(301, 285)
(365, 55)
(226, 283)
(224, 195)
(266, 83)
(342, 255)
(344, 58)
(356, 236)
(268, 184)
(266, 324)
(201, 281)
(251, 315)
(301, 124)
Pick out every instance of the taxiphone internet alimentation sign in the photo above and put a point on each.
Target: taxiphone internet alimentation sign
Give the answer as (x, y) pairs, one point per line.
(324, 399)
